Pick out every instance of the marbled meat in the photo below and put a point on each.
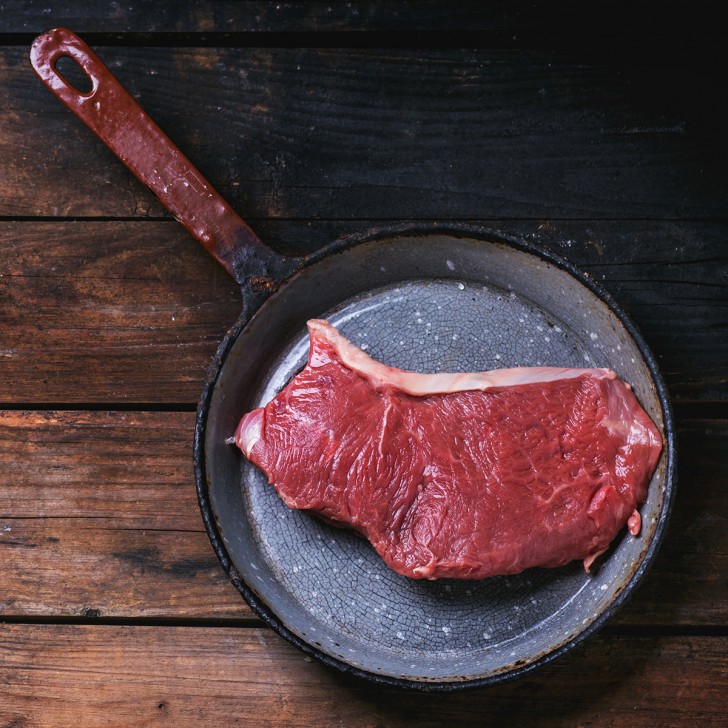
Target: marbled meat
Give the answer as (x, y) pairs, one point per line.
(457, 475)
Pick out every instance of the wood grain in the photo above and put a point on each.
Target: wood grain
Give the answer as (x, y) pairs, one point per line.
(383, 134)
(170, 16)
(271, 16)
(69, 676)
(594, 134)
(99, 518)
(109, 312)
(125, 311)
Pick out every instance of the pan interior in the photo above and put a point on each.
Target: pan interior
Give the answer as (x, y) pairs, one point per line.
(327, 585)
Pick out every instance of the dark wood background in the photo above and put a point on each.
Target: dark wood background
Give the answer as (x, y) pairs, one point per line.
(601, 138)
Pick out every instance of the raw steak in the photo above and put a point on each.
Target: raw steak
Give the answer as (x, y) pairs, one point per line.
(457, 475)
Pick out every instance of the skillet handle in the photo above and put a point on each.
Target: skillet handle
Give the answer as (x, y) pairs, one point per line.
(113, 115)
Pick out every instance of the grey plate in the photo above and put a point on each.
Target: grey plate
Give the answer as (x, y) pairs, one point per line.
(440, 302)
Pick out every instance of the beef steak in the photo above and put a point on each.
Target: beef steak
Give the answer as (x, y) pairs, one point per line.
(457, 475)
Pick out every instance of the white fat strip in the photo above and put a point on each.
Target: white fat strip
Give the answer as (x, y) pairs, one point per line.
(249, 431)
(421, 385)
(383, 428)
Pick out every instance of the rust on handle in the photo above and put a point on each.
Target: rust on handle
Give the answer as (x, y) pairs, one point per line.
(113, 115)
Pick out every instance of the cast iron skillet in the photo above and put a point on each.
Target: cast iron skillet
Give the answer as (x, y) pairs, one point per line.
(440, 298)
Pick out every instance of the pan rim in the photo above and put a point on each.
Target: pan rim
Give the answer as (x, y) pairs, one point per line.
(486, 235)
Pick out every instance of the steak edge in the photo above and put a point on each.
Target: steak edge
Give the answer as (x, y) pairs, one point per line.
(463, 475)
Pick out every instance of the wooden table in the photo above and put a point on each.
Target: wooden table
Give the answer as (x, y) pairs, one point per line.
(317, 120)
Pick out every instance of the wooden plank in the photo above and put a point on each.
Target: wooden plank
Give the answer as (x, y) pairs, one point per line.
(257, 16)
(92, 571)
(98, 517)
(124, 470)
(383, 134)
(109, 312)
(70, 676)
(229, 16)
(133, 311)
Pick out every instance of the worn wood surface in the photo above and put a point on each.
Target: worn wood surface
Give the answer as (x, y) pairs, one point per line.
(581, 133)
(224, 17)
(133, 311)
(175, 676)
(189, 16)
(101, 518)
(383, 133)
(109, 312)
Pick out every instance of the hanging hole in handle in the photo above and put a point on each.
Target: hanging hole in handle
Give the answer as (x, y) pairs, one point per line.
(71, 72)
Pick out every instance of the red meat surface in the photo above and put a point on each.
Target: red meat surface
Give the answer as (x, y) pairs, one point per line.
(457, 475)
